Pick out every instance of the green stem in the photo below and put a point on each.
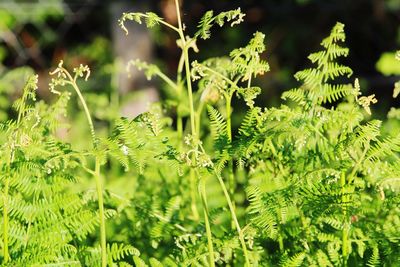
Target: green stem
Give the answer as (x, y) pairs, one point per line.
(190, 92)
(231, 179)
(189, 88)
(305, 227)
(198, 117)
(249, 82)
(179, 122)
(280, 241)
(99, 188)
(207, 223)
(96, 173)
(163, 77)
(146, 16)
(345, 231)
(232, 83)
(85, 107)
(228, 117)
(234, 218)
(187, 68)
(193, 205)
(358, 164)
(193, 126)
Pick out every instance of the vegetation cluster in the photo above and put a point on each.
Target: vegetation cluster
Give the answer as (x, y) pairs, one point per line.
(312, 182)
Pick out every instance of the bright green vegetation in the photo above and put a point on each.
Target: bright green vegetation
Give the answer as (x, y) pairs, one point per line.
(313, 182)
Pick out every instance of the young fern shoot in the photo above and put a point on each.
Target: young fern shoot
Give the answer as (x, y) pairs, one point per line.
(63, 78)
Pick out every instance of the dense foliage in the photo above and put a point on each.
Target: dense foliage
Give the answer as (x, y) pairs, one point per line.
(313, 182)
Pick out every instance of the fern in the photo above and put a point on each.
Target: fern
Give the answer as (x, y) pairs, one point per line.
(316, 88)
(218, 130)
(374, 260)
(208, 20)
(38, 210)
(116, 252)
(294, 261)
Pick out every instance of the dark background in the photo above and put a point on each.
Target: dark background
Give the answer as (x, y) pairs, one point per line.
(293, 30)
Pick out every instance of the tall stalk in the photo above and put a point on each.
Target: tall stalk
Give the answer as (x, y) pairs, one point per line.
(187, 68)
(345, 231)
(184, 61)
(193, 125)
(179, 119)
(234, 218)
(96, 173)
(231, 179)
(207, 223)
(103, 241)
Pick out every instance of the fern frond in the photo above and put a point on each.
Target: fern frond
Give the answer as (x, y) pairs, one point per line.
(331, 93)
(294, 261)
(384, 148)
(333, 252)
(264, 218)
(374, 259)
(323, 259)
(218, 129)
(369, 132)
(117, 252)
(246, 60)
(139, 262)
(151, 19)
(316, 88)
(208, 20)
(205, 25)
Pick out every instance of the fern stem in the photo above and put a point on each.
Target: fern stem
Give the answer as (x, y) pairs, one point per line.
(187, 68)
(167, 80)
(192, 173)
(231, 179)
(249, 82)
(228, 100)
(234, 218)
(207, 223)
(85, 107)
(199, 111)
(179, 122)
(193, 205)
(172, 27)
(87, 113)
(232, 83)
(96, 173)
(345, 231)
(99, 188)
(358, 164)
(185, 55)
(280, 241)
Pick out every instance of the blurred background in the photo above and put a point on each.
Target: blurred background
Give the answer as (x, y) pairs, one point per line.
(37, 34)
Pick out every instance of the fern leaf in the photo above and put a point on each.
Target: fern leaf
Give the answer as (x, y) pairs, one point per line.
(117, 252)
(294, 261)
(374, 259)
(208, 20)
(218, 129)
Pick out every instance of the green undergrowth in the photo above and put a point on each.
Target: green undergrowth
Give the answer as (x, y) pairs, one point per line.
(312, 182)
